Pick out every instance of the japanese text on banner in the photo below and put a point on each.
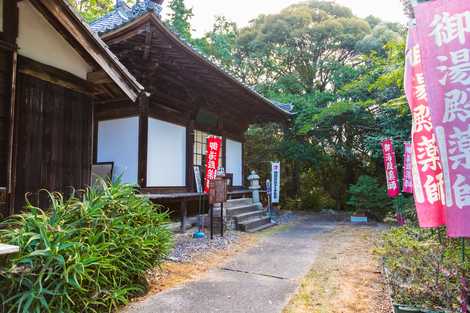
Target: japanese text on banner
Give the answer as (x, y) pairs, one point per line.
(428, 183)
(212, 160)
(390, 168)
(443, 28)
(407, 172)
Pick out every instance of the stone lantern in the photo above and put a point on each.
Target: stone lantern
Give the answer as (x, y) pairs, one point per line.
(255, 187)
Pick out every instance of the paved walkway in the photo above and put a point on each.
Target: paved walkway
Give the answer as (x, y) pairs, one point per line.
(260, 280)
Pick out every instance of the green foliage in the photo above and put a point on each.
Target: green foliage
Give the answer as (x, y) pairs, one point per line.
(86, 255)
(423, 268)
(220, 44)
(312, 196)
(368, 196)
(90, 10)
(344, 76)
(180, 19)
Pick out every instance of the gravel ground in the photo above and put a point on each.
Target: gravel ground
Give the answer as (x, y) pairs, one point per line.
(285, 217)
(186, 247)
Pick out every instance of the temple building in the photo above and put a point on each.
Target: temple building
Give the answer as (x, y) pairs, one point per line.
(124, 90)
(190, 98)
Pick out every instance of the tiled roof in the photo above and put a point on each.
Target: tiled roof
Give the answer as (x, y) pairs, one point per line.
(124, 14)
(288, 107)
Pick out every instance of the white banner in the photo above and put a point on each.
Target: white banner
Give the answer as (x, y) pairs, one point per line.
(197, 177)
(275, 181)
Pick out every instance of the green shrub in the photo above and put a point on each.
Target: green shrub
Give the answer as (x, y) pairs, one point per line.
(312, 196)
(87, 255)
(368, 196)
(423, 270)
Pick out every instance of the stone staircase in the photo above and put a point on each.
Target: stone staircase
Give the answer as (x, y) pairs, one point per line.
(246, 216)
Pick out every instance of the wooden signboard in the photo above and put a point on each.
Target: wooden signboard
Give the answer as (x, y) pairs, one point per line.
(217, 191)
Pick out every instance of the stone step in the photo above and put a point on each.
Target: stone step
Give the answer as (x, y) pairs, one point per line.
(249, 215)
(238, 202)
(254, 223)
(260, 228)
(241, 210)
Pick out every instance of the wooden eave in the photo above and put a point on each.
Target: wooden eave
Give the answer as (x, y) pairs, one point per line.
(139, 26)
(63, 18)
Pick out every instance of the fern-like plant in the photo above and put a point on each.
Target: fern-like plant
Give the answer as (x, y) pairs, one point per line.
(83, 255)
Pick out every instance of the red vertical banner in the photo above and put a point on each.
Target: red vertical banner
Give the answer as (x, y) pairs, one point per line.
(214, 144)
(390, 168)
(407, 171)
(428, 183)
(443, 31)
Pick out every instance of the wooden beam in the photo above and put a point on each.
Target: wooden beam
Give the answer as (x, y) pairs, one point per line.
(148, 41)
(143, 139)
(53, 75)
(98, 77)
(57, 12)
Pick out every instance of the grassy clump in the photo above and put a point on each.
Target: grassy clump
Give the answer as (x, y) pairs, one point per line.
(424, 268)
(83, 255)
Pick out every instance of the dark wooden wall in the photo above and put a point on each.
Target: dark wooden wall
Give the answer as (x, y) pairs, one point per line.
(5, 97)
(5, 73)
(54, 139)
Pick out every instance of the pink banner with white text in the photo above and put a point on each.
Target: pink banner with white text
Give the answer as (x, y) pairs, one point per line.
(443, 29)
(390, 168)
(428, 185)
(407, 172)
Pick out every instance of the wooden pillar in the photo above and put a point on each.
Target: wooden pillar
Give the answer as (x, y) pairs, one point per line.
(190, 156)
(143, 138)
(224, 152)
(13, 136)
(10, 29)
(184, 216)
(243, 163)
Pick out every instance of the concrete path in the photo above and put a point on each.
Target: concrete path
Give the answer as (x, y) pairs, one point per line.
(260, 280)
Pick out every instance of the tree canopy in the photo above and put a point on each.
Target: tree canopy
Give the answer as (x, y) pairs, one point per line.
(342, 73)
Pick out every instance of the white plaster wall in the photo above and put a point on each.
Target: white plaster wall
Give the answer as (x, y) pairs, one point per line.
(39, 41)
(166, 160)
(118, 142)
(234, 161)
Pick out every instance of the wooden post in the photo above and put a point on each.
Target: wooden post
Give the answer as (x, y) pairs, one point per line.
(184, 216)
(211, 218)
(143, 138)
(224, 152)
(222, 219)
(13, 136)
(190, 183)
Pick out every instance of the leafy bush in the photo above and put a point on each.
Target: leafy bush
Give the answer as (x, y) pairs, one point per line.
(422, 269)
(312, 195)
(86, 255)
(368, 196)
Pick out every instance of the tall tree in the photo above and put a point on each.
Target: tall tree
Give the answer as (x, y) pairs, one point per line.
(333, 67)
(180, 19)
(92, 9)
